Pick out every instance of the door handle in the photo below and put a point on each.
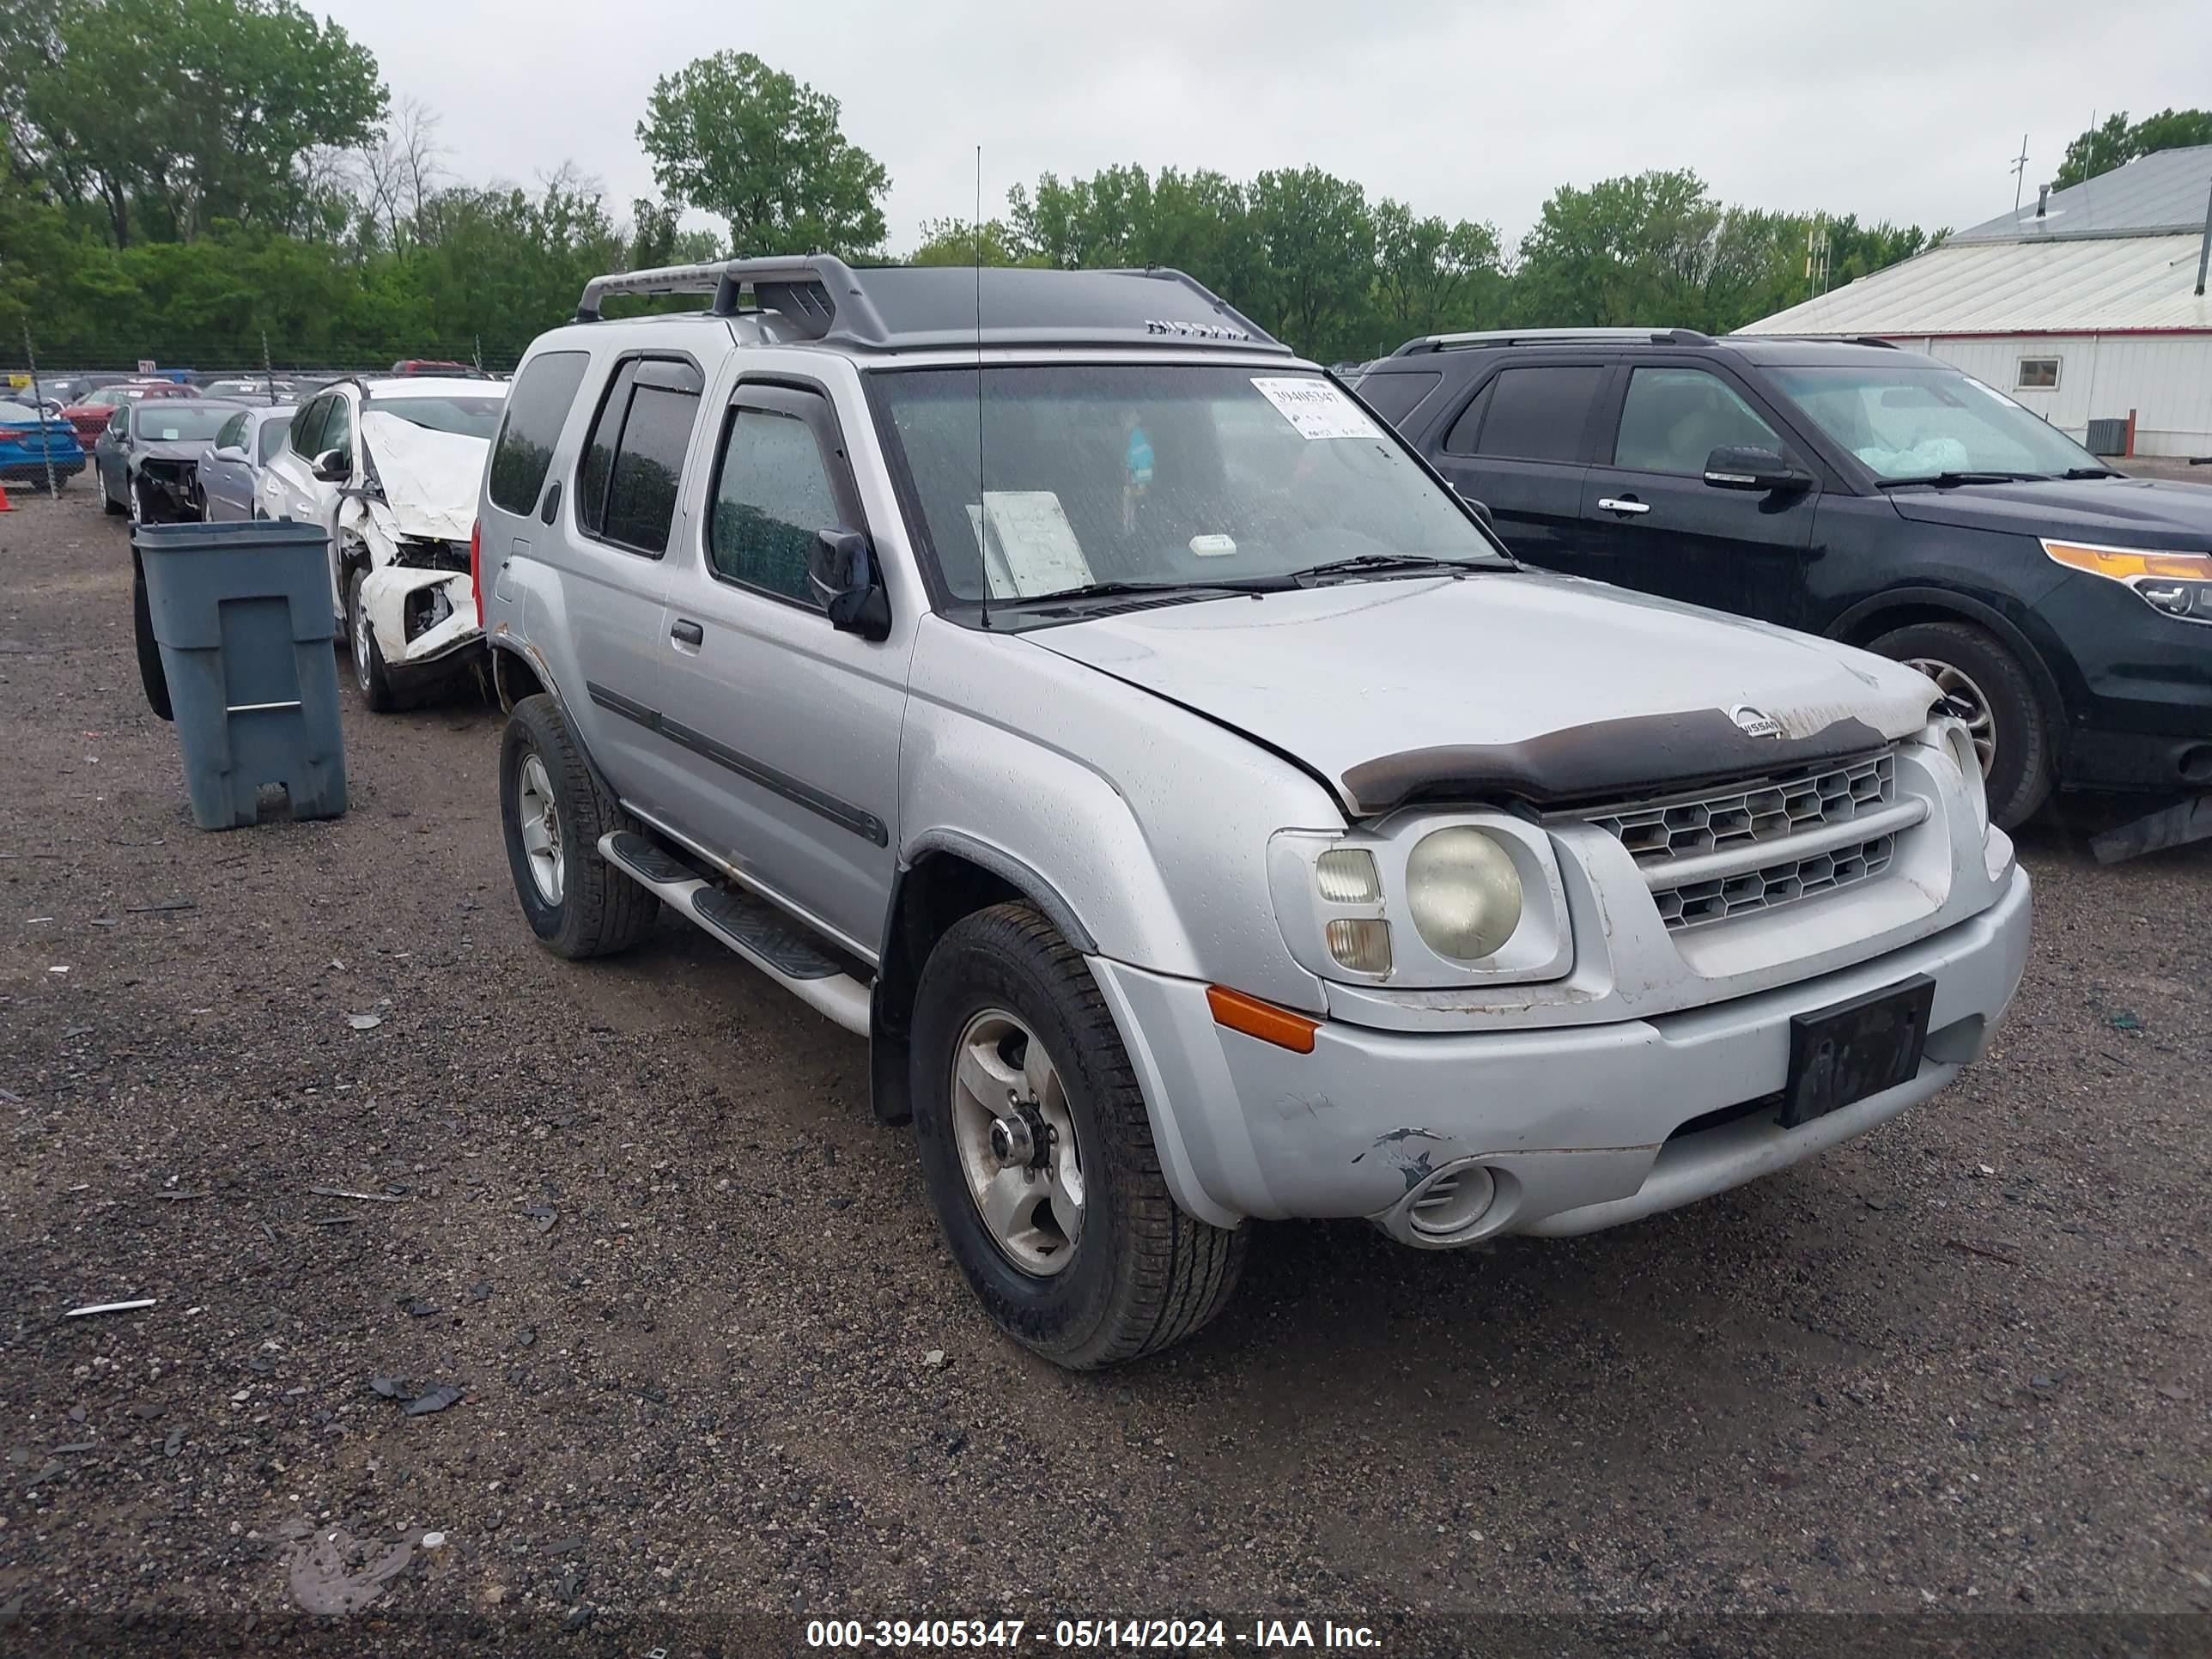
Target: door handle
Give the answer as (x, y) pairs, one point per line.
(1627, 504)
(687, 632)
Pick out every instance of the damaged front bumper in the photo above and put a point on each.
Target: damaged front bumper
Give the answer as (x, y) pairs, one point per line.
(1552, 1130)
(421, 616)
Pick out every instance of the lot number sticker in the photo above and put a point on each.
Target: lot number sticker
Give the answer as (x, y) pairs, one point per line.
(1317, 409)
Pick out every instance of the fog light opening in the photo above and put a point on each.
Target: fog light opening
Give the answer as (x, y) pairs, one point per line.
(1450, 1203)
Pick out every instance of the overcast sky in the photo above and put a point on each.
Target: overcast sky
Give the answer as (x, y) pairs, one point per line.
(1475, 109)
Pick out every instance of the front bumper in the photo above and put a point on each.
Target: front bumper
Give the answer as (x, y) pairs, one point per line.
(1573, 1122)
(410, 631)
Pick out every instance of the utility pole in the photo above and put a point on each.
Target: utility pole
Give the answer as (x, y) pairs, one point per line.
(1816, 257)
(2018, 174)
(39, 403)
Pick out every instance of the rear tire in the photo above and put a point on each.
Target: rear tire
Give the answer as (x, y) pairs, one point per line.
(1974, 668)
(580, 905)
(369, 673)
(1139, 1274)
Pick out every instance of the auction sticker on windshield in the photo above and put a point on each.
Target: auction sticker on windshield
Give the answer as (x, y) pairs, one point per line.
(1317, 409)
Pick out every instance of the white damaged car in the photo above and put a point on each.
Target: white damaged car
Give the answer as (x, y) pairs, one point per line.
(390, 466)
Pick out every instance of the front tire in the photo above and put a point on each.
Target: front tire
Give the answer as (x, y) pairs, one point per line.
(1038, 1152)
(151, 674)
(108, 504)
(2004, 715)
(369, 673)
(553, 812)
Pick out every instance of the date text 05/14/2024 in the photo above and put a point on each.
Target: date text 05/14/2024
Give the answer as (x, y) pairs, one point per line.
(1161, 1635)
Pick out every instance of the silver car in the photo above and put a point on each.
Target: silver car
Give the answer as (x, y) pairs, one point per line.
(230, 472)
(1052, 679)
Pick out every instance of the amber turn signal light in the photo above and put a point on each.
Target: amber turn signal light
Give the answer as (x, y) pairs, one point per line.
(1261, 1019)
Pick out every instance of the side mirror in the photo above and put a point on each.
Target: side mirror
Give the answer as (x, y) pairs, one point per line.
(226, 453)
(841, 569)
(333, 466)
(1479, 509)
(1733, 466)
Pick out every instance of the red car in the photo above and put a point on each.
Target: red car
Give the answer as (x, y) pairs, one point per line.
(90, 414)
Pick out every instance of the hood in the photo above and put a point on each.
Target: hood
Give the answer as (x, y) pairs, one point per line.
(174, 449)
(1542, 688)
(429, 478)
(2124, 512)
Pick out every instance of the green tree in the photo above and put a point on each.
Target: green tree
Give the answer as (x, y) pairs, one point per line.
(184, 113)
(1628, 251)
(1318, 237)
(734, 137)
(2114, 142)
(1433, 277)
(955, 242)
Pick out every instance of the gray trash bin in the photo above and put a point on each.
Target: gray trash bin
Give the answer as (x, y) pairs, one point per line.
(242, 614)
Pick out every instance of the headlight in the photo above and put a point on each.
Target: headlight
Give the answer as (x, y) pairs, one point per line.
(1463, 893)
(2176, 584)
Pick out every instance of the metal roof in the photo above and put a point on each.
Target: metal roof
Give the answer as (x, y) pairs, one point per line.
(2076, 287)
(2167, 191)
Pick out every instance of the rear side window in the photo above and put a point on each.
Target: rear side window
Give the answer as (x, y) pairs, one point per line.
(537, 409)
(633, 459)
(772, 494)
(1538, 414)
(1393, 397)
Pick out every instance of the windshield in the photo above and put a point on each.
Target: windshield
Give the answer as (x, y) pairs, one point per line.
(1184, 474)
(472, 417)
(1914, 422)
(166, 420)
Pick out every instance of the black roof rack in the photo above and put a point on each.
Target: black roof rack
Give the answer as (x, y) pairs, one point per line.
(1567, 336)
(915, 308)
(1819, 339)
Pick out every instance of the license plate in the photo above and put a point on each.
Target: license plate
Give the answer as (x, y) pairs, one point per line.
(1846, 1053)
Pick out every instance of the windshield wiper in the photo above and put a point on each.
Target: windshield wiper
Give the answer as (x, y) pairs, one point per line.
(1946, 480)
(1115, 590)
(1383, 563)
(2090, 472)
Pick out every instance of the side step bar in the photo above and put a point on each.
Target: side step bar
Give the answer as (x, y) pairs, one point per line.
(752, 928)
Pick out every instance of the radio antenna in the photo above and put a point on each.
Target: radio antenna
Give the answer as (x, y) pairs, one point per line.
(982, 496)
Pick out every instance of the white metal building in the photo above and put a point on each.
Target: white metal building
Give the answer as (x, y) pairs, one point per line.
(2083, 305)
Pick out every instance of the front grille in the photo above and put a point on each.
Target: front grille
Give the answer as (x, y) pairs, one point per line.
(1712, 856)
(1719, 897)
(1767, 810)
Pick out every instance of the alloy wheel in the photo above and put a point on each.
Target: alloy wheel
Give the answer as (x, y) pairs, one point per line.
(1016, 1140)
(538, 816)
(1968, 701)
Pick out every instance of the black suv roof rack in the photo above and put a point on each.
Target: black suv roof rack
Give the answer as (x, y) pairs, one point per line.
(1821, 339)
(908, 308)
(1512, 337)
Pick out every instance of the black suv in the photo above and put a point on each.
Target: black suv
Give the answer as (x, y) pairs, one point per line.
(1854, 490)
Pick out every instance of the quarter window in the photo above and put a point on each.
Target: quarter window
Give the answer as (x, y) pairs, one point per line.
(1393, 397)
(773, 494)
(1673, 418)
(537, 409)
(633, 459)
(2037, 375)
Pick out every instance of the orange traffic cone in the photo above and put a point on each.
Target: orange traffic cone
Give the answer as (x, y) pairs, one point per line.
(6, 506)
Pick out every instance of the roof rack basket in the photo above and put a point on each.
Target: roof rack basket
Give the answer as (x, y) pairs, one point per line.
(812, 292)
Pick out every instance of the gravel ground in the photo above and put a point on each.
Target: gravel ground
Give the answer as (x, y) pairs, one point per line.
(690, 1295)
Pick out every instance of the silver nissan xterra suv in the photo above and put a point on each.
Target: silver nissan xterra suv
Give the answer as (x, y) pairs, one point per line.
(1054, 678)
